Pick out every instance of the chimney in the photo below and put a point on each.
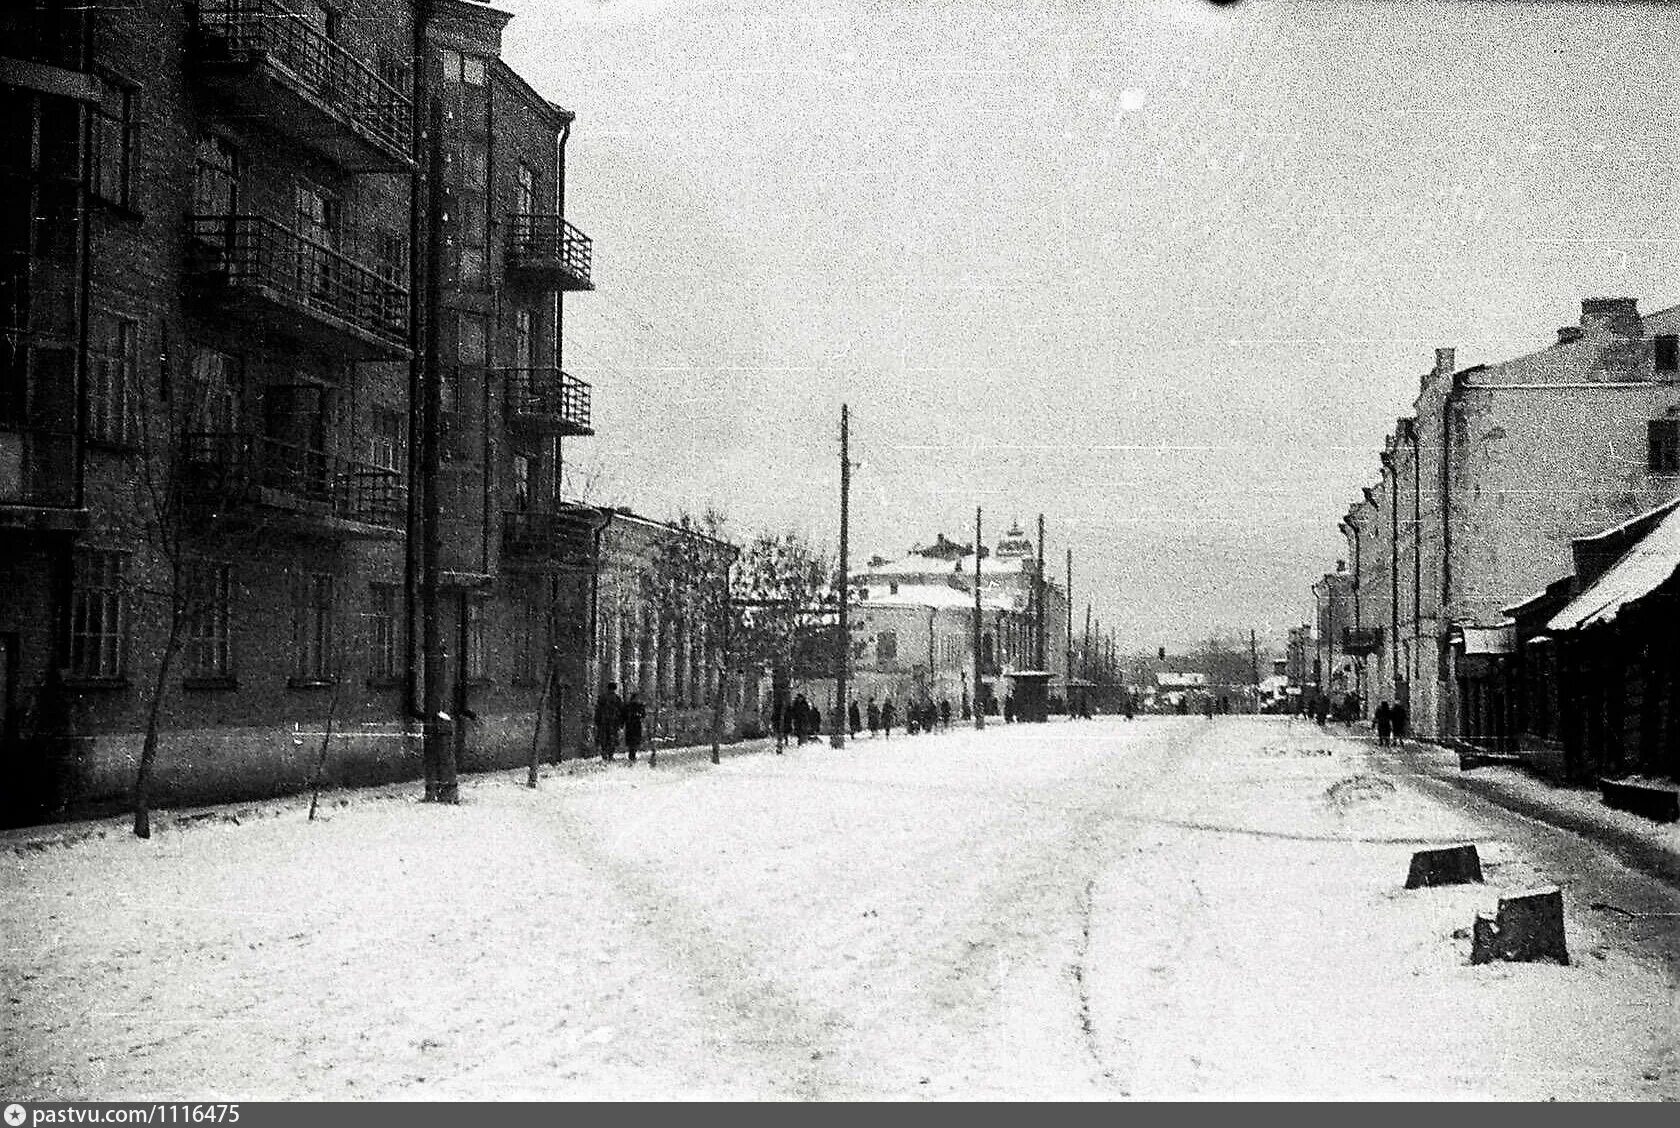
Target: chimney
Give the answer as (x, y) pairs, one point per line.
(1444, 362)
(1568, 333)
(1341, 565)
(1617, 316)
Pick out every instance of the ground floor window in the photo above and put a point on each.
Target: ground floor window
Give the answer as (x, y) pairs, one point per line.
(382, 625)
(208, 606)
(312, 626)
(99, 614)
(475, 639)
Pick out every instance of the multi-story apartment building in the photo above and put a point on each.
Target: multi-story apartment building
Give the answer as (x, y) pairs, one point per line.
(248, 242)
(1484, 488)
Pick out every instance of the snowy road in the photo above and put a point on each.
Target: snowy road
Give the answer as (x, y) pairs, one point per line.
(1174, 907)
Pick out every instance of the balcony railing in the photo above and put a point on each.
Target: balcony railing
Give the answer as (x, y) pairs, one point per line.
(235, 467)
(550, 250)
(549, 399)
(259, 257)
(551, 537)
(348, 111)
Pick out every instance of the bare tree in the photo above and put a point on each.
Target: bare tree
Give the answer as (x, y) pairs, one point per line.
(688, 585)
(783, 588)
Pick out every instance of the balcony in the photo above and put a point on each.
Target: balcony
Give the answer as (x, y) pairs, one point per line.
(276, 277)
(556, 540)
(547, 251)
(547, 400)
(270, 64)
(294, 486)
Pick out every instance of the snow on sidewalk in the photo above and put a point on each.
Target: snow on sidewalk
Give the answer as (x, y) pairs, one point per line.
(1280, 955)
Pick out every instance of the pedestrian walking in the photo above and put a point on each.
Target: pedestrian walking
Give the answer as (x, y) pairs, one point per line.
(853, 721)
(801, 719)
(609, 714)
(1383, 719)
(945, 712)
(635, 713)
(1323, 711)
(1008, 708)
(1397, 719)
(887, 717)
(874, 715)
(784, 721)
(1131, 706)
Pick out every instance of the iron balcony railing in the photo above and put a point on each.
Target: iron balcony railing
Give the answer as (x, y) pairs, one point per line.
(549, 243)
(553, 536)
(253, 251)
(229, 464)
(267, 31)
(548, 395)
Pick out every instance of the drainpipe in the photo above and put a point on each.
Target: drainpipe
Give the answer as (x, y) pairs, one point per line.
(421, 86)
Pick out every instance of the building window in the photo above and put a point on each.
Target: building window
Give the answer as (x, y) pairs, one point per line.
(216, 177)
(522, 464)
(113, 145)
(312, 627)
(527, 189)
(475, 640)
(522, 352)
(381, 623)
(388, 442)
(208, 603)
(1664, 446)
(111, 363)
(393, 69)
(886, 646)
(1668, 352)
(214, 391)
(99, 614)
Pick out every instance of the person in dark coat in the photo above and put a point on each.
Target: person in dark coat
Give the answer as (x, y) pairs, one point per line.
(854, 721)
(609, 714)
(888, 715)
(1322, 710)
(1383, 719)
(873, 713)
(1131, 706)
(635, 714)
(784, 722)
(1008, 708)
(945, 712)
(1397, 718)
(801, 710)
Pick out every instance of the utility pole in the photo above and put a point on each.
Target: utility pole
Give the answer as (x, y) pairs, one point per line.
(1038, 623)
(437, 750)
(979, 713)
(1068, 668)
(1085, 647)
(838, 739)
(1254, 665)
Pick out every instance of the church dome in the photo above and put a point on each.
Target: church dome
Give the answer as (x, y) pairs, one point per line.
(1015, 544)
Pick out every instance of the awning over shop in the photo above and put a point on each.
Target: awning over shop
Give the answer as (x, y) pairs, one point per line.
(1649, 564)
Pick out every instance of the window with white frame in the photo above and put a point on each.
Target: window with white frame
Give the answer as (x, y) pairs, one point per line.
(111, 378)
(312, 626)
(111, 170)
(99, 614)
(208, 606)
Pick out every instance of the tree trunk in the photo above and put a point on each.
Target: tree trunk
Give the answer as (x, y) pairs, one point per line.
(717, 717)
(148, 750)
(326, 740)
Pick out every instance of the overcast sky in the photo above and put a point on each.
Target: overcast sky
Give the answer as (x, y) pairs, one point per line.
(1163, 271)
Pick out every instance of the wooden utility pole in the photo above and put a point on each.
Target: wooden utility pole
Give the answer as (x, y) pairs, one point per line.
(438, 752)
(974, 695)
(1254, 665)
(838, 739)
(1068, 650)
(1038, 622)
(1085, 647)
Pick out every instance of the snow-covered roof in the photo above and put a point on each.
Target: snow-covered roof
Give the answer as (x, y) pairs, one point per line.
(1180, 681)
(918, 565)
(935, 595)
(1649, 564)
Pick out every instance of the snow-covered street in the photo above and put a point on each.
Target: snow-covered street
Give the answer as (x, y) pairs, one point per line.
(1171, 907)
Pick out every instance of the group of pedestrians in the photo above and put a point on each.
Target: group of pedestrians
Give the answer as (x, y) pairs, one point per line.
(799, 719)
(613, 715)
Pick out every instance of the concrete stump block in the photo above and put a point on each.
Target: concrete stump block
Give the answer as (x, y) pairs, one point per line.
(1528, 927)
(1455, 865)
